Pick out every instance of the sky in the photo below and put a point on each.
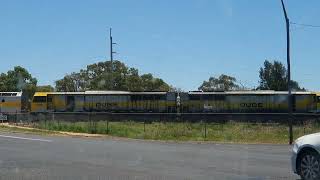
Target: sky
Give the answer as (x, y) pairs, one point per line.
(184, 42)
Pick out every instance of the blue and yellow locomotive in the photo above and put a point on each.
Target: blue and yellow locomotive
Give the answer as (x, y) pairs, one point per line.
(162, 102)
(173, 102)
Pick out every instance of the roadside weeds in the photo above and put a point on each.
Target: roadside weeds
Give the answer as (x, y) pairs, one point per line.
(5, 127)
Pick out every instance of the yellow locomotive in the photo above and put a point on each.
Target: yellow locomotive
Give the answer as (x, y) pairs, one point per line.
(250, 102)
(162, 102)
(103, 101)
(172, 102)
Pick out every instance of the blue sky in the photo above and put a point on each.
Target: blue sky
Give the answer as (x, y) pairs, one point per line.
(183, 42)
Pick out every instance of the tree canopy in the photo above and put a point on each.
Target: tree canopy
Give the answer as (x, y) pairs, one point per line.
(118, 76)
(104, 76)
(274, 76)
(45, 88)
(19, 79)
(221, 83)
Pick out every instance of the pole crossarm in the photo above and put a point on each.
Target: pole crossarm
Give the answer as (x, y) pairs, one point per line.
(111, 57)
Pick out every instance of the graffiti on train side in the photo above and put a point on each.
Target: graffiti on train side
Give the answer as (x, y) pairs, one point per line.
(241, 105)
(105, 105)
(251, 105)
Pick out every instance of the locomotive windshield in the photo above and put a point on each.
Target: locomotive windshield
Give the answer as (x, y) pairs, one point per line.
(39, 99)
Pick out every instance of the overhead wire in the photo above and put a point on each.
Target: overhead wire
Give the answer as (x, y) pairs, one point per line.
(305, 25)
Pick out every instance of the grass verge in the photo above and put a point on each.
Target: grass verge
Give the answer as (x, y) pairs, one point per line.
(231, 132)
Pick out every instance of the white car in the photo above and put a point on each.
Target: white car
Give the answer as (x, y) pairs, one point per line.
(305, 159)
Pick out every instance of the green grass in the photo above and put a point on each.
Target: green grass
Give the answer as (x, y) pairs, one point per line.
(235, 132)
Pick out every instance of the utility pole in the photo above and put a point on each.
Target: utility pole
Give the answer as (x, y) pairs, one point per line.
(111, 57)
(289, 73)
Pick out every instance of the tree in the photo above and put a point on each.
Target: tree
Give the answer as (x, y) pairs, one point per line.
(160, 85)
(3, 79)
(19, 79)
(273, 76)
(175, 89)
(100, 76)
(45, 88)
(147, 82)
(222, 83)
(70, 83)
(295, 86)
(133, 80)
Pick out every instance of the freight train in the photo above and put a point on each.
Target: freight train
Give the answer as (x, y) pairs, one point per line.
(163, 102)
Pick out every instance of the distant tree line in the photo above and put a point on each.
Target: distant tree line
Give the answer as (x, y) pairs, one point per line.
(107, 76)
(98, 76)
(118, 76)
(273, 76)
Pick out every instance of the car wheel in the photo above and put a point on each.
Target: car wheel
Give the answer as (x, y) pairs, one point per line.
(310, 166)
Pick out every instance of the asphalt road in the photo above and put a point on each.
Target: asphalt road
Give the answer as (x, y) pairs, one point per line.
(25, 157)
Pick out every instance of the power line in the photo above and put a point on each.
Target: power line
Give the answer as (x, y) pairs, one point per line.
(306, 25)
(295, 28)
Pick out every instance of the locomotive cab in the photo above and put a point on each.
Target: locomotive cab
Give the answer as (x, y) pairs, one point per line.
(39, 102)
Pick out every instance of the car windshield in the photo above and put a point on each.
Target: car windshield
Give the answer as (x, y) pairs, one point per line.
(170, 89)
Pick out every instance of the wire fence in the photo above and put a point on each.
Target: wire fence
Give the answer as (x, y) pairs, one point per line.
(246, 128)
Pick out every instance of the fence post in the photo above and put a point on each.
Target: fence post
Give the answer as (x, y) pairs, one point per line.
(107, 126)
(144, 125)
(184, 123)
(16, 117)
(57, 120)
(221, 126)
(205, 126)
(89, 122)
(45, 122)
(95, 124)
(205, 129)
(27, 117)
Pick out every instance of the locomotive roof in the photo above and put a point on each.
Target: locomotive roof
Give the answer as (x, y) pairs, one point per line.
(125, 92)
(58, 93)
(97, 93)
(251, 92)
(10, 93)
(161, 92)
